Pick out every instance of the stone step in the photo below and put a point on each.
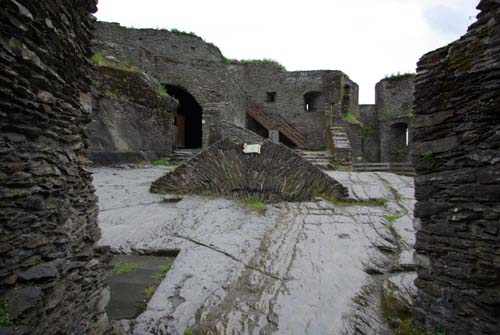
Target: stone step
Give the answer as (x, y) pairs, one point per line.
(321, 159)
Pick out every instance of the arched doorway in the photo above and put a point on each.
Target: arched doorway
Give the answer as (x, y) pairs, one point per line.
(188, 118)
(313, 101)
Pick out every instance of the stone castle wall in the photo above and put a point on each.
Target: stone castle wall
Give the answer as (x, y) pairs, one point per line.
(289, 88)
(132, 120)
(384, 134)
(52, 279)
(394, 103)
(180, 60)
(370, 134)
(457, 160)
(222, 89)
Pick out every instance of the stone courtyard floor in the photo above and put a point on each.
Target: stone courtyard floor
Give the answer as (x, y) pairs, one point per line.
(301, 268)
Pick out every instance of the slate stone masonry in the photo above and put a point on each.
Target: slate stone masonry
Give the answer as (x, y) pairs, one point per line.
(132, 120)
(52, 279)
(457, 160)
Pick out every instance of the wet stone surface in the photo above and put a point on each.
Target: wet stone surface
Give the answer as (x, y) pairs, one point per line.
(300, 268)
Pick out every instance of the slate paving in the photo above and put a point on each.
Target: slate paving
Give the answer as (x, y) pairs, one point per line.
(300, 268)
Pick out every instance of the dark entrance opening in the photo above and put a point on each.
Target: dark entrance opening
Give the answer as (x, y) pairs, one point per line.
(399, 141)
(188, 118)
(313, 101)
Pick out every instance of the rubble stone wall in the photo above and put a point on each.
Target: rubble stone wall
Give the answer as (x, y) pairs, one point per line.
(133, 120)
(52, 278)
(457, 160)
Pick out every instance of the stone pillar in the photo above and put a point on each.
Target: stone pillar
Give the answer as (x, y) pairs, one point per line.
(457, 160)
(274, 136)
(52, 279)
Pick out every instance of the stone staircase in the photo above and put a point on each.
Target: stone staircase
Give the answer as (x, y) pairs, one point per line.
(321, 159)
(182, 155)
(342, 152)
(275, 122)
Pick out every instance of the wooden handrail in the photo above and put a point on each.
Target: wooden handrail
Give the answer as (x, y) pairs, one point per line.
(272, 122)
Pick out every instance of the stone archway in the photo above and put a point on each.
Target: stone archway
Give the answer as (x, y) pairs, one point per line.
(189, 118)
(313, 101)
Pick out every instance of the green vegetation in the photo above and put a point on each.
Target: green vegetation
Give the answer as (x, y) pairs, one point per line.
(125, 267)
(394, 217)
(150, 291)
(99, 59)
(367, 132)
(5, 320)
(428, 154)
(337, 167)
(254, 203)
(163, 272)
(164, 162)
(264, 61)
(188, 331)
(398, 314)
(295, 196)
(180, 32)
(349, 202)
(162, 90)
(158, 277)
(351, 118)
(399, 75)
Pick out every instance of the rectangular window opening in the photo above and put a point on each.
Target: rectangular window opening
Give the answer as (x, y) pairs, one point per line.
(270, 96)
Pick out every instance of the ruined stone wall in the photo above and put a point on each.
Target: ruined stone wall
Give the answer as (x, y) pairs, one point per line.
(133, 121)
(457, 160)
(276, 174)
(52, 279)
(394, 103)
(181, 60)
(289, 88)
(370, 133)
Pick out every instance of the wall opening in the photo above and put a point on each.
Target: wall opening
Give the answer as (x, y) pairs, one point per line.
(270, 96)
(256, 127)
(188, 118)
(284, 140)
(313, 101)
(346, 99)
(399, 142)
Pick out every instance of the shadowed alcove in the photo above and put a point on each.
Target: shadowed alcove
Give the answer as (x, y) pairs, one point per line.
(188, 118)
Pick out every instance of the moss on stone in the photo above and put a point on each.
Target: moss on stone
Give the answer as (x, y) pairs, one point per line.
(132, 86)
(351, 118)
(264, 61)
(399, 76)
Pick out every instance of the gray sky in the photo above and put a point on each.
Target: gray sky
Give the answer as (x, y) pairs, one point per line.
(367, 39)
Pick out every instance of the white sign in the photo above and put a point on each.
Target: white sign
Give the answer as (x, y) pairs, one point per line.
(251, 148)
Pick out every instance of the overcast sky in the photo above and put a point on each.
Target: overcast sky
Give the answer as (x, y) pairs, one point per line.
(366, 39)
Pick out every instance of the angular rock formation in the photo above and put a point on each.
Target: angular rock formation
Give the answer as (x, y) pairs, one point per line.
(133, 119)
(52, 280)
(276, 174)
(457, 159)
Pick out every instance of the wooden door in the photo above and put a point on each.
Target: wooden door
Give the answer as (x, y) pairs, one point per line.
(181, 131)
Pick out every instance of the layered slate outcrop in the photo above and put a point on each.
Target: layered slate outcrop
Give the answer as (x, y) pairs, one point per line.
(133, 120)
(457, 160)
(276, 174)
(52, 279)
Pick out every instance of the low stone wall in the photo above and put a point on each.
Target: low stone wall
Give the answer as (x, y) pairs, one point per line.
(52, 279)
(132, 121)
(457, 160)
(223, 130)
(276, 174)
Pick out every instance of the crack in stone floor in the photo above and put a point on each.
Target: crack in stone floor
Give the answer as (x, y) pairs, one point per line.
(295, 270)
